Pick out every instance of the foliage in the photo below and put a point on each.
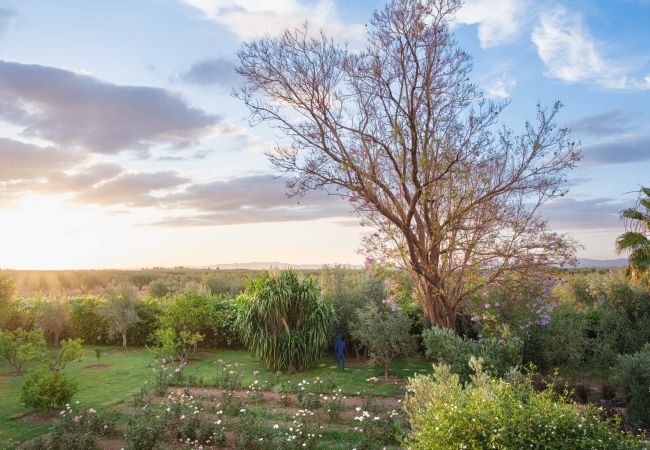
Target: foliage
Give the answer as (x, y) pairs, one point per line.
(120, 310)
(348, 290)
(19, 347)
(70, 350)
(78, 428)
(7, 289)
(175, 346)
(285, 324)
(385, 333)
(45, 389)
(636, 240)
(633, 372)
(214, 317)
(86, 323)
(53, 317)
(444, 345)
(494, 413)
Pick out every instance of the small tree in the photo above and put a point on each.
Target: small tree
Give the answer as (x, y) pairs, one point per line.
(120, 310)
(285, 325)
(7, 288)
(385, 333)
(19, 347)
(71, 349)
(52, 317)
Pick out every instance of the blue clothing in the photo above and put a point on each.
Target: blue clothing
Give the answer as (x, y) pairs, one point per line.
(340, 350)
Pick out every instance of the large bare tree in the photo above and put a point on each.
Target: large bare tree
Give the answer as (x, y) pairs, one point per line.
(399, 129)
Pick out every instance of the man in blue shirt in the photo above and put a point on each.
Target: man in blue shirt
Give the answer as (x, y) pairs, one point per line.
(340, 350)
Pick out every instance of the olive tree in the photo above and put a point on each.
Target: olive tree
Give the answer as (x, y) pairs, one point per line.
(385, 333)
(398, 129)
(120, 309)
(52, 317)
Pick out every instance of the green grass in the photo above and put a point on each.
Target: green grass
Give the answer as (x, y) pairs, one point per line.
(127, 372)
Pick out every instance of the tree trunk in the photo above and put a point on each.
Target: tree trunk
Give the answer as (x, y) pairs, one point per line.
(386, 371)
(56, 339)
(124, 340)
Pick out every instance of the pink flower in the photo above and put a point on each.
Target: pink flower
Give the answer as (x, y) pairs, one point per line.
(77, 418)
(484, 317)
(487, 305)
(92, 411)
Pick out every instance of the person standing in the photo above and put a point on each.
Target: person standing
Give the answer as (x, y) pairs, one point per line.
(340, 350)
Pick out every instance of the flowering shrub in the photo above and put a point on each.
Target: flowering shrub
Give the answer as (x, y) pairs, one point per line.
(493, 413)
(446, 346)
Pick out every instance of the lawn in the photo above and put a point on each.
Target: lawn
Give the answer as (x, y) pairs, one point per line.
(123, 373)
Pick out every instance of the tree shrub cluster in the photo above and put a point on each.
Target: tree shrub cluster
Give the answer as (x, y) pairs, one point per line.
(507, 414)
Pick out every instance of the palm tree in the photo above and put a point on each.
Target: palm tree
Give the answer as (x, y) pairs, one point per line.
(636, 240)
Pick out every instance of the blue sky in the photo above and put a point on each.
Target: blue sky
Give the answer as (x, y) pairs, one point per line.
(121, 146)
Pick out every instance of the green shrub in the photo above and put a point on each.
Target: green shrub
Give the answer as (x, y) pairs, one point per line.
(498, 355)
(285, 324)
(493, 413)
(86, 323)
(633, 372)
(214, 317)
(45, 389)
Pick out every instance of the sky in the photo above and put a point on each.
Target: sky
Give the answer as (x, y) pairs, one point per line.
(121, 145)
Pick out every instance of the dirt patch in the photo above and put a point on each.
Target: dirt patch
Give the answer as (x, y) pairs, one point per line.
(39, 417)
(97, 367)
(10, 374)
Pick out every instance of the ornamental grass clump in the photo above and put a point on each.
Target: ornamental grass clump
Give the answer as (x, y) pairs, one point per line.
(285, 325)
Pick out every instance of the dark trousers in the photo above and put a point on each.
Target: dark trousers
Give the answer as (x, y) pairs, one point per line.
(340, 360)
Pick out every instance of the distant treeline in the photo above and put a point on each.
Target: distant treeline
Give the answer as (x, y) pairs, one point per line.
(82, 282)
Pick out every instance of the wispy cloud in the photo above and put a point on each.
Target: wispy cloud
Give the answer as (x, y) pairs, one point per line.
(5, 17)
(78, 111)
(498, 22)
(249, 199)
(608, 123)
(588, 214)
(249, 19)
(21, 161)
(500, 86)
(571, 53)
(623, 149)
(212, 72)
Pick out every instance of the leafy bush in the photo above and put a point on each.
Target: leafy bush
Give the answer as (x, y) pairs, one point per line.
(498, 355)
(385, 333)
(493, 413)
(633, 372)
(86, 323)
(214, 317)
(45, 389)
(285, 324)
(348, 290)
(19, 347)
(7, 288)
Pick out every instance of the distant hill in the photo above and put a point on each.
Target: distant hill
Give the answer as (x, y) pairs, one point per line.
(273, 265)
(602, 263)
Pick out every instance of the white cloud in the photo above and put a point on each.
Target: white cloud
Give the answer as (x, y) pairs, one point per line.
(571, 53)
(498, 22)
(501, 86)
(249, 19)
